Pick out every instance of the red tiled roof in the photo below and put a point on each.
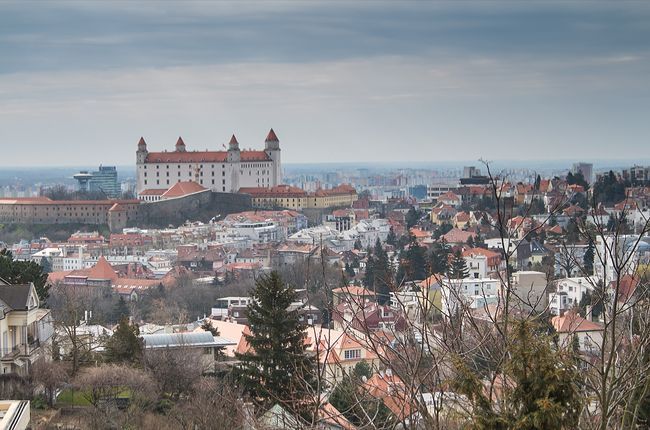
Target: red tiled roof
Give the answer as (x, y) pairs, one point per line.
(203, 157)
(277, 191)
(153, 192)
(180, 142)
(102, 270)
(272, 137)
(571, 322)
(183, 188)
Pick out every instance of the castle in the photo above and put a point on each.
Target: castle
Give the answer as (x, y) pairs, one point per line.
(220, 171)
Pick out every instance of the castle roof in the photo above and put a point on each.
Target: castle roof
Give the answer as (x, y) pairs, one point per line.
(180, 142)
(272, 137)
(183, 188)
(203, 157)
(233, 141)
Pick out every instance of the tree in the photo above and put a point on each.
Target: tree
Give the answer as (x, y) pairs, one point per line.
(413, 264)
(349, 271)
(277, 368)
(108, 387)
(215, 332)
(540, 393)
(361, 409)
(51, 375)
(125, 346)
(24, 272)
(120, 310)
(439, 257)
(412, 217)
(357, 245)
(391, 239)
(458, 269)
(362, 369)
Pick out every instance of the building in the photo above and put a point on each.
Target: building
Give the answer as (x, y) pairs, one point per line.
(26, 330)
(569, 293)
(586, 169)
(42, 210)
(220, 171)
(103, 180)
(202, 343)
(286, 196)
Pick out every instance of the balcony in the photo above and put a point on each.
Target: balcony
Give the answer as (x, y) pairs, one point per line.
(24, 350)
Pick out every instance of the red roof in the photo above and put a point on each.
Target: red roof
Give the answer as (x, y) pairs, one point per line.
(571, 322)
(102, 270)
(180, 142)
(277, 191)
(153, 192)
(271, 137)
(233, 141)
(203, 157)
(183, 188)
(142, 142)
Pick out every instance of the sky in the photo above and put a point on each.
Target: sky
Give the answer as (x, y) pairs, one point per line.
(339, 81)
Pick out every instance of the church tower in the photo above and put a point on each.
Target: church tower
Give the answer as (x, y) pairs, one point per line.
(140, 160)
(272, 149)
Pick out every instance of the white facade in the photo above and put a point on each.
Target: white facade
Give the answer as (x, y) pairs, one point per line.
(569, 293)
(471, 293)
(219, 171)
(260, 232)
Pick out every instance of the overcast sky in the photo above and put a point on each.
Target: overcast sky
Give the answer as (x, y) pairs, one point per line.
(81, 81)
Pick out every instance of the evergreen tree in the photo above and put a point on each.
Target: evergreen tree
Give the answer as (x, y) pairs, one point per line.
(46, 265)
(413, 265)
(359, 407)
(458, 268)
(125, 346)
(392, 238)
(349, 271)
(277, 369)
(382, 273)
(357, 245)
(538, 182)
(439, 258)
(412, 217)
(544, 395)
(24, 272)
(215, 332)
(120, 310)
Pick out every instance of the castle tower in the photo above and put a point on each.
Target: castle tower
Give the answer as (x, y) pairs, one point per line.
(234, 157)
(272, 149)
(141, 154)
(180, 145)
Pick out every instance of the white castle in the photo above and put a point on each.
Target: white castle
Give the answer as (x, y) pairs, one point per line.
(222, 171)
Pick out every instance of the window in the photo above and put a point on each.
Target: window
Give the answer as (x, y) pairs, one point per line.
(352, 354)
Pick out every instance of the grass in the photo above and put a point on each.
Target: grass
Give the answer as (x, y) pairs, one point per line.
(66, 398)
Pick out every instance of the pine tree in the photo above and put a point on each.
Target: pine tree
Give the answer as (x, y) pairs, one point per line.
(349, 271)
(277, 368)
(391, 239)
(458, 269)
(120, 310)
(125, 346)
(544, 395)
(24, 272)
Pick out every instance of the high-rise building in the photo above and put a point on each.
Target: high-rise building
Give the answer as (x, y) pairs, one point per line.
(586, 169)
(103, 180)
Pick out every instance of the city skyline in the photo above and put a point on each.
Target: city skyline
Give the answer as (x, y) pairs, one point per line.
(380, 82)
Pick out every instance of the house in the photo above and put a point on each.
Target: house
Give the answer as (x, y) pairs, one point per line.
(529, 290)
(457, 236)
(450, 198)
(481, 261)
(571, 325)
(569, 293)
(203, 342)
(26, 330)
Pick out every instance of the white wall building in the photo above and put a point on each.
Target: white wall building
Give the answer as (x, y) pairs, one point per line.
(569, 293)
(221, 171)
(471, 293)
